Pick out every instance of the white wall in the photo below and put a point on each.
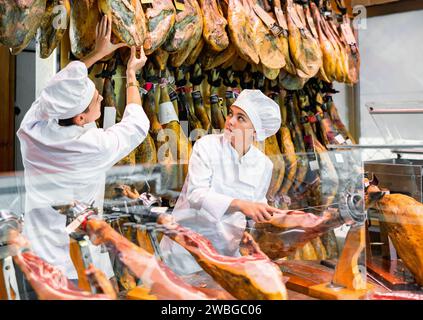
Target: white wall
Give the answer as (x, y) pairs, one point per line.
(25, 94)
(391, 69)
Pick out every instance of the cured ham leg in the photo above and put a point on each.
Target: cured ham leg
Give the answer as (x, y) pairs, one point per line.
(49, 282)
(161, 281)
(402, 217)
(285, 233)
(251, 277)
(19, 21)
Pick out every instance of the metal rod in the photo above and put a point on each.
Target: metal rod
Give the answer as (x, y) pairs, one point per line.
(374, 146)
(395, 111)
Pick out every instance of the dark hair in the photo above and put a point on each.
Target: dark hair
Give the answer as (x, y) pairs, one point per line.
(69, 121)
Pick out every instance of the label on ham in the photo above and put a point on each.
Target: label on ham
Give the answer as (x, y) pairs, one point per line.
(214, 99)
(167, 113)
(314, 165)
(230, 94)
(340, 139)
(339, 158)
(349, 141)
(109, 117)
(173, 95)
(196, 96)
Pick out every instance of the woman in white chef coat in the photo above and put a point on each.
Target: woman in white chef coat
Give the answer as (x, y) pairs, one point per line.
(66, 156)
(227, 181)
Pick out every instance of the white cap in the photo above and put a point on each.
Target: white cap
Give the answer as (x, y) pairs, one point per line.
(68, 93)
(263, 112)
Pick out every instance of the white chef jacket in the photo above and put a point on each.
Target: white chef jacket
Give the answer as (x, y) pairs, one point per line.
(216, 176)
(63, 164)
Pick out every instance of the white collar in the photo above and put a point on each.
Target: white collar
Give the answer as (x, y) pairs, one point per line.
(250, 157)
(70, 131)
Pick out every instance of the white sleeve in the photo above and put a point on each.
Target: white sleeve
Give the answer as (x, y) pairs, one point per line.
(267, 179)
(200, 175)
(120, 139)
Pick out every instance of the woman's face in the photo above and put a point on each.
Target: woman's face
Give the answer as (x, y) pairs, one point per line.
(239, 129)
(94, 109)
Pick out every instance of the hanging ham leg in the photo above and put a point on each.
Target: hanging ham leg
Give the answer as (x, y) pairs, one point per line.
(284, 233)
(19, 21)
(251, 277)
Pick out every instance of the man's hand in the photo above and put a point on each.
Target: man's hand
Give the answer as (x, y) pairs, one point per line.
(259, 212)
(103, 45)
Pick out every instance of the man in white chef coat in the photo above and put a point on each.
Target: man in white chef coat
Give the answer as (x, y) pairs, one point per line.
(228, 178)
(66, 156)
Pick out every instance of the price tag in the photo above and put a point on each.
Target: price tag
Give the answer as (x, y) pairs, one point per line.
(339, 158)
(314, 165)
(349, 142)
(167, 113)
(340, 139)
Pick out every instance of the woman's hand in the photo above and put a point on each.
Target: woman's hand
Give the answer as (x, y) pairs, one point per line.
(259, 212)
(103, 32)
(134, 63)
(103, 45)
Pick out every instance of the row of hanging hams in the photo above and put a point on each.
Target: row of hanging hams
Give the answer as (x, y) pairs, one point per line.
(297, 39)
(305, 174)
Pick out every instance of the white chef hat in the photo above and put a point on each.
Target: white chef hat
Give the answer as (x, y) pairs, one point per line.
(68, 93)
(263, 112)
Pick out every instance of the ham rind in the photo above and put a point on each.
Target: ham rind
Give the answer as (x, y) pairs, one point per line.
(155, 275)
(161, 18)
(19, 22)
(129, 23)
(49, 282)
(241, 32)
(250, 277)
(214, 25)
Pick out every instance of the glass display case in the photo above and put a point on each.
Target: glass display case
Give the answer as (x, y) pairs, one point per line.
(319, 243)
